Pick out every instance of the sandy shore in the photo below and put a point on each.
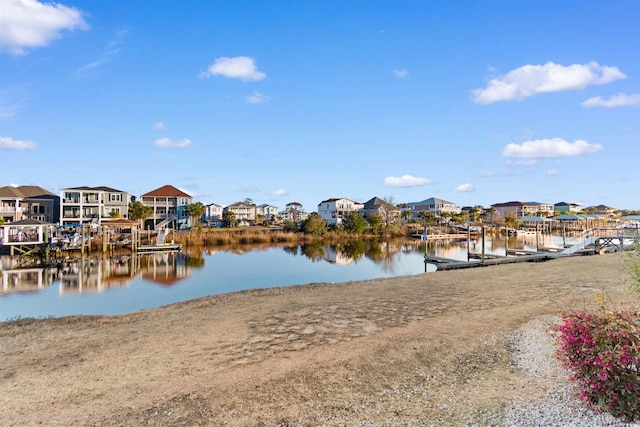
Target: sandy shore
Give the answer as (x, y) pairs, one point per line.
(430, 349)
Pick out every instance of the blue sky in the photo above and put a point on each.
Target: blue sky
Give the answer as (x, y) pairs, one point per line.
(474, 102)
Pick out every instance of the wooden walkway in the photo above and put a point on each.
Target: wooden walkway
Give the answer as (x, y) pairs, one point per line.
(475, 260)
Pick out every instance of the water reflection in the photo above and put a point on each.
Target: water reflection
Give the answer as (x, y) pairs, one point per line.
(148, 280)
(100, 274)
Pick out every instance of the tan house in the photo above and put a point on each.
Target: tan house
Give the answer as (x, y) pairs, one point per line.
(169, 205)
(519, 209)
(79, 205)
(243, 212)
(28, 202)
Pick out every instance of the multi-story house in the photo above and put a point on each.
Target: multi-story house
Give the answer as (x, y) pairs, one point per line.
(294, 212)
(79, 205)
(603, 211)
(242, 211)
(433, 205)
(333, 210)
(519, 209)
(544, 209)
(213, 212)
(169, 206)
(564, 207)
(28, 202)
(269, 212)
(385, 210)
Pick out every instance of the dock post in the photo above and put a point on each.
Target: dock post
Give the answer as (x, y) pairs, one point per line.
(483, 234)
(105, 238)
(82, 241)
(506, 241)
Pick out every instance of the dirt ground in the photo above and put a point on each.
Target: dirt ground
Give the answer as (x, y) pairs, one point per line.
(430, 349)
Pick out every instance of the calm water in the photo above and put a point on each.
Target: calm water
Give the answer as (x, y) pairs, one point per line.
(129, 283)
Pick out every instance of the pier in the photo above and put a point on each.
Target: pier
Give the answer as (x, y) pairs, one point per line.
(591, 242)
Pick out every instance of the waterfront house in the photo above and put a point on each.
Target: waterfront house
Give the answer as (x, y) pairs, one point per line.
(519, 209)
(602, 211)
(243, 212)
(294, 212)
(212, 213)
(28, 202)
(433, 205)
(269, 212)
(169, 206)
(564, 207)
(544, 209)
(81, 205)
(333, 210)
(385, 210)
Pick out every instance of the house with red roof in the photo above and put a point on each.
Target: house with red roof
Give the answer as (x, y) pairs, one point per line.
(169, 205)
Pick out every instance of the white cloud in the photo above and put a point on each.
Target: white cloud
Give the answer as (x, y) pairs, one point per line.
(257, 98)
(552, 172)
(550, 148)
(112, 48)
(464, 188)
(619, 100)
(523, 163)
(158, 126)
(280, 192)
(12, 101)
(15, 144)
(530, 80)
(405, 181)
(493, 174)
(175, 143)
(401, 73)
(28, 24)
(240, 67)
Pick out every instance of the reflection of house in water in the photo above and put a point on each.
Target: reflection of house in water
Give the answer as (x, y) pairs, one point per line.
(90, 275)
(334, 256)
(25, 280)
(164, 268)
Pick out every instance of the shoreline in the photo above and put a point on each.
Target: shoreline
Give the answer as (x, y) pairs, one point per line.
(412, 350)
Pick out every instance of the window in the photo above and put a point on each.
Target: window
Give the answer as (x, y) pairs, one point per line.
(113, 197)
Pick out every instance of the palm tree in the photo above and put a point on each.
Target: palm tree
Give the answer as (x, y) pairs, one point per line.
(195, 211)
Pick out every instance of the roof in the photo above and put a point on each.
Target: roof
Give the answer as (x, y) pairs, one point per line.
(101, 188)
(27, 222)
(166, 191)
(238, 204)
(432, 201)
(335, 199)
(24, 191)
(512, 203)
(376, 201)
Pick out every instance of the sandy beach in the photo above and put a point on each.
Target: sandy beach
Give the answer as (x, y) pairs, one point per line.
(429, 349)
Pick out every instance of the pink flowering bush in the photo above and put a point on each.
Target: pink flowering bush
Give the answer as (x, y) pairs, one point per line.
(602, 352)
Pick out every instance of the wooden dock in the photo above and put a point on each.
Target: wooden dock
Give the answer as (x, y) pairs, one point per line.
(168, 247)
(492, 259)
(456, 236)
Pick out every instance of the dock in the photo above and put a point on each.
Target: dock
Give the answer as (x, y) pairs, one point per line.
(167, 247)
(456, 264)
